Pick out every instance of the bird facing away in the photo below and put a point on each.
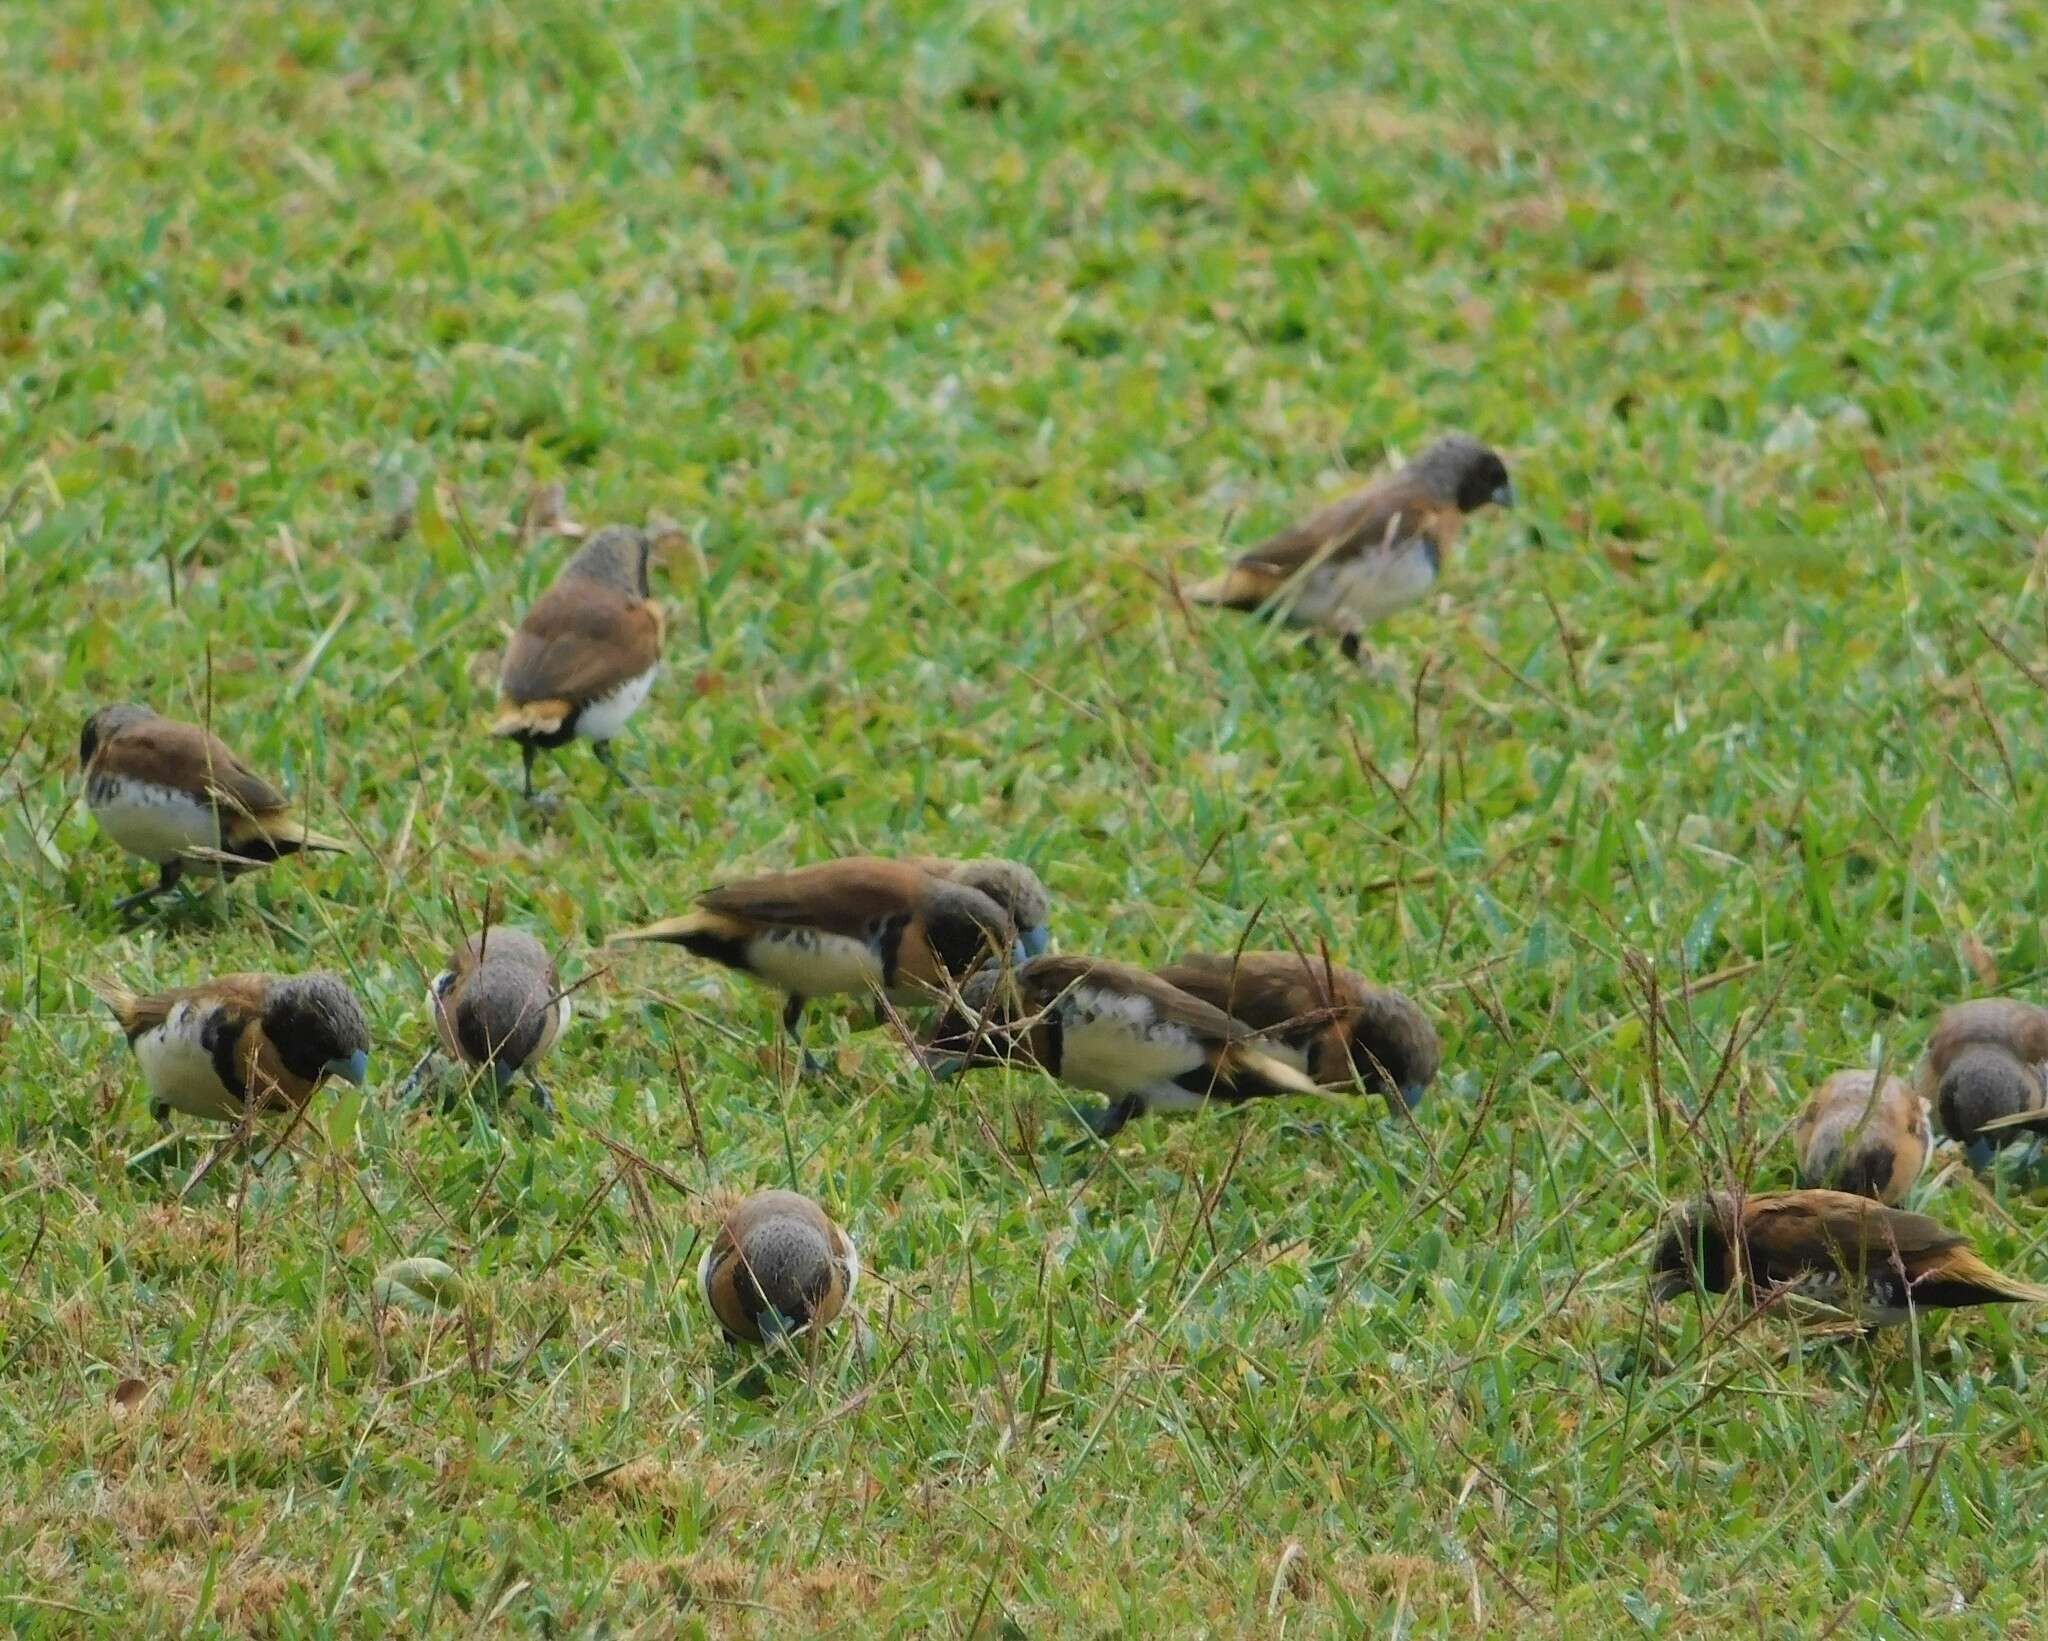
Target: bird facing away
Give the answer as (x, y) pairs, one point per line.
(1378, 550)
(1012, 886)
(857, 926)
(1112, 1028)
(1986, 1071)
(777, 1268)
(1858, 1257)
(586, 654)
(1857, 1137)
(498, 1007)
(174, 795)
(1336, 1026)
(243, 1042)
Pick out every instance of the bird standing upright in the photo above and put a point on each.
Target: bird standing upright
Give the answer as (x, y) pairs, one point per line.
(1376, 551)
(1336, 1026)
(243, 1042)
(173, 794)
(585, 655)
(1857, 1137)
(1855, 1256)
(777, 1268)
(857, 926)
(1112, 1028)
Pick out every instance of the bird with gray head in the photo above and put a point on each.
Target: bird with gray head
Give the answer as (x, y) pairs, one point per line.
(242, 1042)
(862, 925)
(1337, 1026)
(498, 1007)
(1107, 1026)
(585, 656)
(1357, 561)
(1985, 1073)
(172, 794)
(777, 1268)
(1011, 885)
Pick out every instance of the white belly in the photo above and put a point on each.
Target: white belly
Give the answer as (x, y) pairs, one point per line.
(607, 715)
(1117, 1045)
(158, 823)
(178, 1072)
(806, 963)
(558, 1022)
(1363, 590)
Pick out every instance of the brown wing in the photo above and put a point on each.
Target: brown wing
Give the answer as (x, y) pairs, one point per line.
(1044, 979)
(1268, 991)
(267, 1084)
(243, 995)
(580, 641)
(846, 897)
(1389, 514)
(164, 752)
(1789, 1232)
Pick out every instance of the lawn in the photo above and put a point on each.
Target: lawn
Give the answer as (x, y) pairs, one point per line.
(953, 337)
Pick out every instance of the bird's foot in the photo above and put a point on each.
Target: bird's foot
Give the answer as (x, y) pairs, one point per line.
(543, 1097)
(1105, 1122)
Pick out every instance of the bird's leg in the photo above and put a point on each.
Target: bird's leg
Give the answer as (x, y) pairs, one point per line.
(1105, 1122)
(540, 1093)
(526, 757)
(149, 1153)
(166, 880)
(602, 751)
(1349, 646)
(792, 1017)
(410, 1086)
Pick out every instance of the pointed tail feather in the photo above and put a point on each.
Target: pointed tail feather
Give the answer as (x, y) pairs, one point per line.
(530, 717)
(1238, 588)
(120, 999)
(1257, 1075)
(1961, 1265)
(263, 841)
(691, 929)
(2017, 1119)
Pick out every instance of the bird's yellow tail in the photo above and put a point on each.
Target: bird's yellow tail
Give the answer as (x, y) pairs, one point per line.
(1258, 1074)
(119, 999)
(678, 931)
(1239, 588)
(530, 717)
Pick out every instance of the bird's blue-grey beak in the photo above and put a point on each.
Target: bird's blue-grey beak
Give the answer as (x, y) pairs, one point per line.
(945, 1067)
(1412, 1093)
(354, 1069)
(1018, 953)
(775, 1325)
(1505, 495)
(1036, 941)
(1979, 1154)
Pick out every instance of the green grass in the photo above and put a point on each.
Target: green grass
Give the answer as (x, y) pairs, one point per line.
(949, 333)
